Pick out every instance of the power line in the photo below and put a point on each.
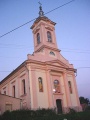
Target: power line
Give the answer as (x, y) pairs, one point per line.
(79, 60)
(83, 68)
(17, 28)
(5, 71)
(21, 46)
(18, 57)
(76, 68)
(60, 6)
(12, 57)
(76, 49)
(32, 47)
(14, 45)
(18, 47)
(76, 52)
(25, 46)
(36, 18)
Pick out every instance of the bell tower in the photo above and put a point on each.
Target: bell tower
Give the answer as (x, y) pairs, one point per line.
(44, 33)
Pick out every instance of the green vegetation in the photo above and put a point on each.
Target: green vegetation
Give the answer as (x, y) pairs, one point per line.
(85, 103)
(84, 100)
(44, 115)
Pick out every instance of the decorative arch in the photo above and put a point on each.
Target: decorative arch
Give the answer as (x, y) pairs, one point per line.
(52, 53)
(49, 37)
(38, 38)
(40, 82)
(57, 86)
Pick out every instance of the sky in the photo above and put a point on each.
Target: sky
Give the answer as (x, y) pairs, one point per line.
(72, 34)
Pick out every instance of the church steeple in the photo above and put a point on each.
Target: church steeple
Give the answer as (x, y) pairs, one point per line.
(44, 32)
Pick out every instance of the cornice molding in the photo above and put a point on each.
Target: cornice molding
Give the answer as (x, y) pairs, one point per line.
(49, 28)
(45, 46)
(35, 31)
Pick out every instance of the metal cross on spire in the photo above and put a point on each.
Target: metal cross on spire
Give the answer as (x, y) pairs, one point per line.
(41, 13)
(39, 3)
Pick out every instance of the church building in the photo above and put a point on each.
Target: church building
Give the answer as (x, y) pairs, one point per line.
(45, 79)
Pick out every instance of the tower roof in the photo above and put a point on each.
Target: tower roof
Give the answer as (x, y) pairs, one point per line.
(42, 17)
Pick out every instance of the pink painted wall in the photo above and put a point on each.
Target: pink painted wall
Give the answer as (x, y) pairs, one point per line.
(4, 99)
(16, 79)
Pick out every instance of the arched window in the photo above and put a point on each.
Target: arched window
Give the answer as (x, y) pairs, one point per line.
(52, 53)
(4, 90)
(56, 86)
(38, 38)
(40, 84)
(49, 37)
(23, 87)
(13, 91)
(70, 87)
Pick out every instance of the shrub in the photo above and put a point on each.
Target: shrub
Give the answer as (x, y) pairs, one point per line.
(44, 114)
(72, 111)
(87, 108)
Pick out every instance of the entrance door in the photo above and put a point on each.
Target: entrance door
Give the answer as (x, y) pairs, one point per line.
(59, 106)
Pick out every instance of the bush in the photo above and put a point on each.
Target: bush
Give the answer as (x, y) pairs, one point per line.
(44, 114)
(72, 111)
(87, 108)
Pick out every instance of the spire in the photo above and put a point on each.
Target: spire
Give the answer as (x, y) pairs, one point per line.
(41, 13)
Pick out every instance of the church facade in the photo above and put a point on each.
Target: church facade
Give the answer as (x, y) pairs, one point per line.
(45, 79)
